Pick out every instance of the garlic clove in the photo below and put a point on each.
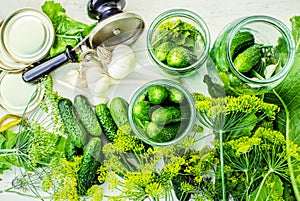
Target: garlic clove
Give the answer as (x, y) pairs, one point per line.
(123, 62)
(102, 86)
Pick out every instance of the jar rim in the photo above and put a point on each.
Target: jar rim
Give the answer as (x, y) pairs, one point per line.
(282, 28)
(179, 12)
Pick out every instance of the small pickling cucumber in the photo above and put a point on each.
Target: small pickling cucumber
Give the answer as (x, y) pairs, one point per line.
(90, 162)
(107, 123)
(162, 50)
(168, 114)
(175, 95)
(119, 111)
(162, 133)
(249, 58)
(180, 57)
(75, 129)
(240, 42)
(141, 110)
(157, 94)
(86, 115)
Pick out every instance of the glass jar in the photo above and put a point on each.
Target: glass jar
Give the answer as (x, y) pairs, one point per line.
(256, 71)
(139, 126)
(181, 29)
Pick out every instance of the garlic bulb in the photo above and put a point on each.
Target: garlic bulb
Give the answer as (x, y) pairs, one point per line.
(122, 63)
(103, 86)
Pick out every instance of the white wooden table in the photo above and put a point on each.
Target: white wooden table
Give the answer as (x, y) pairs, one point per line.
(216, 13)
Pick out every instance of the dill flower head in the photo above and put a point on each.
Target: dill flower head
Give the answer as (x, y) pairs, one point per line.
(225, 113)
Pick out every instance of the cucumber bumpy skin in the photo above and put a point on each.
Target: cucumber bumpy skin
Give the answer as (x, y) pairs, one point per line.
(249, 58)
(175, 95)
(157, 94)
(86, 115)
(240, 42)
(119, 112)
(75, 129)
(165, 115)
(107, 123)
(161, 51)
(90, 162)
(162, 133)
(180, 57)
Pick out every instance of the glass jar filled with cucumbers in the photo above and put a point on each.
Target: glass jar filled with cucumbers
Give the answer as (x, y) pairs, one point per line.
(178, 41)
(161, 112)
(253, 54)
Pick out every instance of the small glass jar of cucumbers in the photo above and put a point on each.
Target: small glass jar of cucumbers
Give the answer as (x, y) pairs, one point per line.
(161, 112)
(253, 54)
(178, 41)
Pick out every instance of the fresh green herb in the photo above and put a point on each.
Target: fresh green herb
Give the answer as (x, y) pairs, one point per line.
(8, 140)
(61, 180)
(176, 42)
(287, 96)
(138, 177)
(179, 32)
(67, 30)
(228, 114)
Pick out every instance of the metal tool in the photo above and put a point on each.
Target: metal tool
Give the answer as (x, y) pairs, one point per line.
(114, 27)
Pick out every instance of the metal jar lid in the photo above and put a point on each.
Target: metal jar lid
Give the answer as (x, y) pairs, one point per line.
(16, 96)
(26, 36)
(122, 28)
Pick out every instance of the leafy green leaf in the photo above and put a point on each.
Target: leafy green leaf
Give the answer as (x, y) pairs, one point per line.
(11, 139)
(68, 31)
(287, 96)
(8, 140)
(271, 190)
(296, 30)
(54, 11)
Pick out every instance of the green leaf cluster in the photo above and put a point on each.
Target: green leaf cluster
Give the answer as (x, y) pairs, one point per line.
(67, 30)
(8, 140)
(287, 96)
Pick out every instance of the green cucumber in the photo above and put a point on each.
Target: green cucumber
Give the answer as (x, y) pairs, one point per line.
(75, 129)
(157, 94)
(119, 112)
(90, 162)
(107, 123)
(162, 133)
(240, 42)
(175, 95)
(168, 114)
(86, 115)
(248, 59)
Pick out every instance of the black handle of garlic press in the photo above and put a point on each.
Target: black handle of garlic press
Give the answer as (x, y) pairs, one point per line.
(41, 69)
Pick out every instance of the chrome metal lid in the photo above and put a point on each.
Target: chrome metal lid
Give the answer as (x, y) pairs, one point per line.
(122, 28)
(8, 64)
(16, 96)
(27, 35)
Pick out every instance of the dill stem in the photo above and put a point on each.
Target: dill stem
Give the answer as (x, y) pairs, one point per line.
(10, 190)
(222, 165)
(8, 151)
